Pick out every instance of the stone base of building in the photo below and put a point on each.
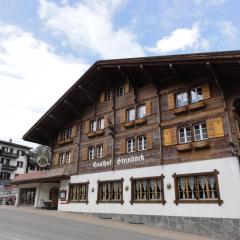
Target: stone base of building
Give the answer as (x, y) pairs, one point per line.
(219, 228)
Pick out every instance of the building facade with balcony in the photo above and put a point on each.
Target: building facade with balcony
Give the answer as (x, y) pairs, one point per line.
(150, 140)
(15, 159)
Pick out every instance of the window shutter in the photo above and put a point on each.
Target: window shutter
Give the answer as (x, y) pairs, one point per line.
(148, 105)
(55, 159)
(171, 101)
(74, 131)
(85, 154)
(149, 141)
(122, 115)
(206, 91)
(126, 86)
(102, 97)
(87, 127)
(123, 146)
(170, 136)
(215, 128)
(106, 121)
(105, 150)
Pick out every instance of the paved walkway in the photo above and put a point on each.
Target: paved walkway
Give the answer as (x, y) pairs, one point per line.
(101, 228)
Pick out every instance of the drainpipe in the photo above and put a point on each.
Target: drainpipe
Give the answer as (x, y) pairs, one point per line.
(79, 142)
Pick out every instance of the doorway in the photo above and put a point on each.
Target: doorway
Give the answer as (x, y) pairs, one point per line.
(53, 196)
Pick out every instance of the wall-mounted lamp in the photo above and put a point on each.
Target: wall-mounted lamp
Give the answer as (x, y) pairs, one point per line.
(169, 186)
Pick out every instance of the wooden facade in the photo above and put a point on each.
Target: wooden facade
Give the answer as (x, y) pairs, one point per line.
(154, 82)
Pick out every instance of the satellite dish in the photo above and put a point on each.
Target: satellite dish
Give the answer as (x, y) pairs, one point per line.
(42, 161)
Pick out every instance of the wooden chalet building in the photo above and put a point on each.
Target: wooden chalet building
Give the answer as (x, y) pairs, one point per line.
(152, 140)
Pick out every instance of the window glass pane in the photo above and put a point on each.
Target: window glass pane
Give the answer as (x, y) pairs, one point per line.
(131, 114)
(182, 99)
(121, 90)
(91, 153)
(99, 151)
(93, 126)
(110, 191)
(185, 135)
(142, 143)
(141, 111)
(109, 95)
(101, 123)
(200, 131)
(131, 145)
(196, 95)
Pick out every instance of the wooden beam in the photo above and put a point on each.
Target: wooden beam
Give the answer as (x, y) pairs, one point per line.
(105, 77)
(56, 119)
(149, 77)
(91, 97)
(73, 107)
(176, 74)
(45, 135)
(126, 75)
(213, 72)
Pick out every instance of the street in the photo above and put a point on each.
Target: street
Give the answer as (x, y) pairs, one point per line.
(31, 224)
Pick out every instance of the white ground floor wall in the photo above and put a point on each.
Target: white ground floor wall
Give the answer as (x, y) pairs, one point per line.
(42, 192)
(229, 184)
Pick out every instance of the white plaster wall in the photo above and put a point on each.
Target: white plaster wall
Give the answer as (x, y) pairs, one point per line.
(42, 192)
(229, 183)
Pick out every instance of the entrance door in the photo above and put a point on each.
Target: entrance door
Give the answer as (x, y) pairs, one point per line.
(54, 197)
(27, 196)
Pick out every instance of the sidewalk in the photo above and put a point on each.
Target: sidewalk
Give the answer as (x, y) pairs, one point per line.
(151, 231)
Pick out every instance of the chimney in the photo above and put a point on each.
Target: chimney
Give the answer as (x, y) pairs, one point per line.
(10, 140)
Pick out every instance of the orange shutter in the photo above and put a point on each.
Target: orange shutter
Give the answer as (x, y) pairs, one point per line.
(149, 141)
(215, 128)
(170, 136)
(126, 86)
(102, 97)
(106, 121)
(105, 150)
(148, 105)
(55, 159)
(171, 101)
(206, 91)
(122, 115)
(87, 127)
(85, 154)
(122, 146)
(74, 131)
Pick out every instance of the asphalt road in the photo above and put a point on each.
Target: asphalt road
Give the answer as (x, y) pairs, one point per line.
(17, 225)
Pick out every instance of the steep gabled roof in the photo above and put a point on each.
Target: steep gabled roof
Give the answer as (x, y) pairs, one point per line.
(107, 73)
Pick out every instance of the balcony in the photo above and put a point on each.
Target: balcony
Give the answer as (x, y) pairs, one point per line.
(7, 167)
(8, 154)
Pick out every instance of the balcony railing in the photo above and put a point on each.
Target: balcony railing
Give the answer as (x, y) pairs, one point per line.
(7, 167)
(8, 154)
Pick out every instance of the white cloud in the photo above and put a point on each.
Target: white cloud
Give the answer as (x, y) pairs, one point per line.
(89, 25)
(181, 39)
(228, 29)
(211, 2)
(32, 78)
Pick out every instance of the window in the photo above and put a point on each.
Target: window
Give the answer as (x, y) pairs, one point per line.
(93, 126)
(27, 196)
(5, 175)
(11, 150)
(100, 123)
(142, 143)
(91, 153)
(198, 187)
(66, 134)
(67, 157)
(131, 114)
(131, 145)
(200, 131)
(141, 111)
(110, 191)
(196, 95)
(5, 149)
(7, 161)
(185, 135)
(182, 99)
(109, 95)
(62, 158)
(20, 164)
(121, 90)
(78, 192)
(99, 151)
(148, 190)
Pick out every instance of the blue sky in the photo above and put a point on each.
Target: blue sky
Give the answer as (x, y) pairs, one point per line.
(46, 45)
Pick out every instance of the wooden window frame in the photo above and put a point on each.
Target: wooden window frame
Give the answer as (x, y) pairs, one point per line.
(94, 152)
(133, 145)
(185, 134)
(145, 147)
(108, 98)
(190, 95)
(98, 146)
(109, 181)
(162, 201)
(80, 184)
(215, 173)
